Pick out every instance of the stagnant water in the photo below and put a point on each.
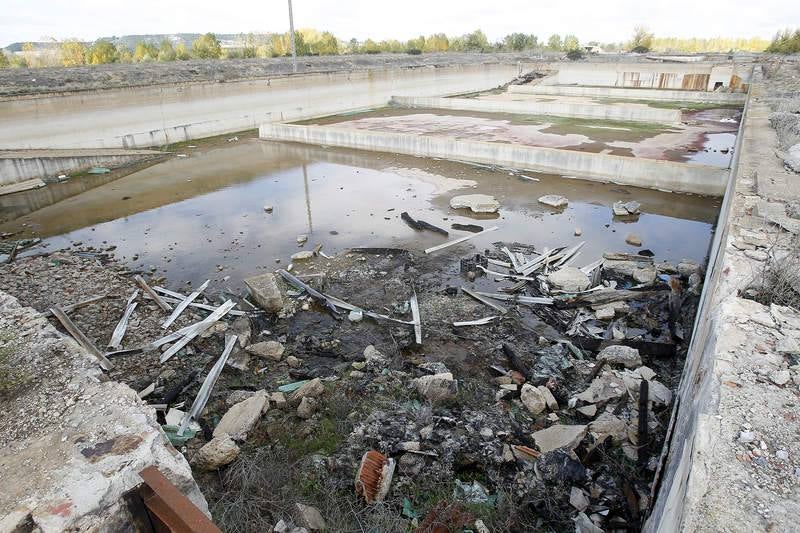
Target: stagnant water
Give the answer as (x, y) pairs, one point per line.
(203, 216)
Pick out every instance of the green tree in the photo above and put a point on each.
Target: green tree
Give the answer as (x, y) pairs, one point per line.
(326, 45)
(571, 43)
(4, 62)
(73, 53)
(166, 52)
(476, 41)
(642, 40)
(554, 42)
(102, 52)
(145, 52)
(207, 47)
(438, 42)
(785, 42)
(520, 41)
(370, 47)
(18, 61)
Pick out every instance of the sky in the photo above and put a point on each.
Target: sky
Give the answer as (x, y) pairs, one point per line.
(590, 20)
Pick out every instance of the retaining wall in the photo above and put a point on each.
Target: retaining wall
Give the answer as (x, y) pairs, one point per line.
(590, 111)
(631, 94)
(662, 175)
(154, 116)
(20, 166)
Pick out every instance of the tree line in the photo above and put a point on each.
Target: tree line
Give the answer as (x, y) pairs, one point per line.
(310, 42)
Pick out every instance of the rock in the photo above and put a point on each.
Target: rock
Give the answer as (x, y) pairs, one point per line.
(603, 388)
(271, 349)
(278, 398)
(578, 232)
(302, 239)
(756, 255)
(747, 437)
(659, 393)
(558, 436)
(293, 362)
(646, 373)
(355, 316)
(788, 345)
(553, 200)
(780, 378)
(578, 499)
(437, 387)
(311, 389)
(238, 396)
(605, 312)
(624, 209)
(411, 464)
(268, 208)
(588, 410)
(641, 271)
(241, 418)
(264, 290)
(633, 239)
(241, 328)
(569, 279)
(307, 407)
(687, 267)
(309, 517)
(552, 404)
(792, 159)
(305, 255)
(375, 360)
(608, 424)
(532, 399)
(583, 524)
(620, 355)
(216, 453)
(782, 455)
(478, 203)
(239, 359)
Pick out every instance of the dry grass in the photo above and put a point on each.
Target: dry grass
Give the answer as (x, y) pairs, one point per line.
(778, 281)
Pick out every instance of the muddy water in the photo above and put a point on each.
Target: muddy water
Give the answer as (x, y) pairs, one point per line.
(203, 216)
(679, 142)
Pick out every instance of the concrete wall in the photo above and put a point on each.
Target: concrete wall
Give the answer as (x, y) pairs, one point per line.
(154, 116)
(632, 94)
(591, 111)
(662, 175)
(19, 166)
(686, 76)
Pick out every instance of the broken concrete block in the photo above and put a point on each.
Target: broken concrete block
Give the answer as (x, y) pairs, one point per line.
(569, 279)
(608, 425)
(532, 399)
(588, 410)
(312, 389)
(603, 388)
(309, 517)
(264, 290)
(216, 453)
(241, 418)
(271, 349)
(553, 200)
(437, 387)
(552, 404)
(307, 407)
(478, 203)
(633, 239)
(305, 255)
(620, 355)
(558, 436)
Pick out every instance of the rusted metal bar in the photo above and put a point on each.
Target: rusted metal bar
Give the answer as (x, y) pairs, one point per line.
(170, 508)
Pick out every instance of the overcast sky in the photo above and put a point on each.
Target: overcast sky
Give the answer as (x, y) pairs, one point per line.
(609, 20)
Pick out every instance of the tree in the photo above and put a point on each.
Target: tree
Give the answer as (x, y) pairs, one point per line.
(326, 45)
(575, 54)
(73, 53)
(571, 43)
(145, 52)
(554, 42)
(4, 63)
(370, 47)
(785, 42)
(642, 40)
(519, 42)
(207, 47)
(476, 41)
(102, 52)
(166, 52)
(438, 42)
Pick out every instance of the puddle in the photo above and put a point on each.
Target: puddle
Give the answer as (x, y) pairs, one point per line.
(203, 216)
(651, 141)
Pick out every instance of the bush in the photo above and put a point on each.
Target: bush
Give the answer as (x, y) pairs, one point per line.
(785, 42)
(4, 62)
(207, 47)
(575, 54)
(414, 51)
(101, 53)
(779, 279)
(166, 52)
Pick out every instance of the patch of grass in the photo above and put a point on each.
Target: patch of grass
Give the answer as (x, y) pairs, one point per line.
(324, 440)
(669, 104)
(12, 378)
(778, 281)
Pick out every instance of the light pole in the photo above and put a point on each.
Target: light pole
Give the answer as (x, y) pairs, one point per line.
(291, 34)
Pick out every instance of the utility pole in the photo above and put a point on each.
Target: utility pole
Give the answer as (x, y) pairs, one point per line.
(291, 33)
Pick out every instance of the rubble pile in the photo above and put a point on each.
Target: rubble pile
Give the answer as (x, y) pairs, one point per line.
(511, 389)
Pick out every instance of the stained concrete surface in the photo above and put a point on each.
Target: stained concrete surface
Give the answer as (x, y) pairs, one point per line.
(203, 216)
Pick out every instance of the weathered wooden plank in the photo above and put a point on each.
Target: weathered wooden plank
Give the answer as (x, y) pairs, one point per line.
(197, 330)
(459, 240)
(184, 304)
(122, 325)
(81, 338)
(146, 288)
(497, 307)
(82, 303)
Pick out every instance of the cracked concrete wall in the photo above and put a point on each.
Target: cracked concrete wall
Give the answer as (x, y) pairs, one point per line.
(73, 442)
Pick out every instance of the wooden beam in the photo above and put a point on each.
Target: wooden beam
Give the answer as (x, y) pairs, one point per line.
(170, 508)
(82, 303)
(184, 304)
(459, 240)
(81, 338)
(497, 307)
(146, 288)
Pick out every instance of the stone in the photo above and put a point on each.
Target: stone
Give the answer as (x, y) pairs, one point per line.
(783, 455)
(241, 328)
(532, 399)
(552, 404)
(608, 424)
(411, 464)
(553, 200)
(578, 499)
(265, 292)
(238, 396)
(605, 387)
(216, 453)
(355, 315)
(302, 239)
(747, 437)
(644, 275)
(311, 389)
(618, 354)
(558, 436)
(293, 362)
(271, 349)
(780, 377)
(687, 267)
(278, 398)
(646, 372)
(578, 232)
(633, 239)
(307, 407)
(268, 208)
(792, 158)
(605, 312)
(240, 419)
(375, 360)
(659, 393)
(588, 410)
(569, 279)
(788, 345)
(239, 359)
(309, 517)
(584, 524)
(477, 203)
(305, 255)
(437, 387)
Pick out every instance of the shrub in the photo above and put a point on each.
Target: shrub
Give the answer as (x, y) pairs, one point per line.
(207, 47)
(102, 52)
(414, 51)
(4, 62)
(575, 54)
(166, 52)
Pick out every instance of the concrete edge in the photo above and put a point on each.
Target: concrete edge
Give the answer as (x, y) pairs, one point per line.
(632, 93)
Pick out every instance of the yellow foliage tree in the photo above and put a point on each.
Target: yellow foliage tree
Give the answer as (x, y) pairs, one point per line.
(73, 53)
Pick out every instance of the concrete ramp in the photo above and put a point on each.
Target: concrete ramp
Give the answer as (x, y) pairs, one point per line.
(588, 111)
(631, 94)
(25, 169)
(637, 172)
